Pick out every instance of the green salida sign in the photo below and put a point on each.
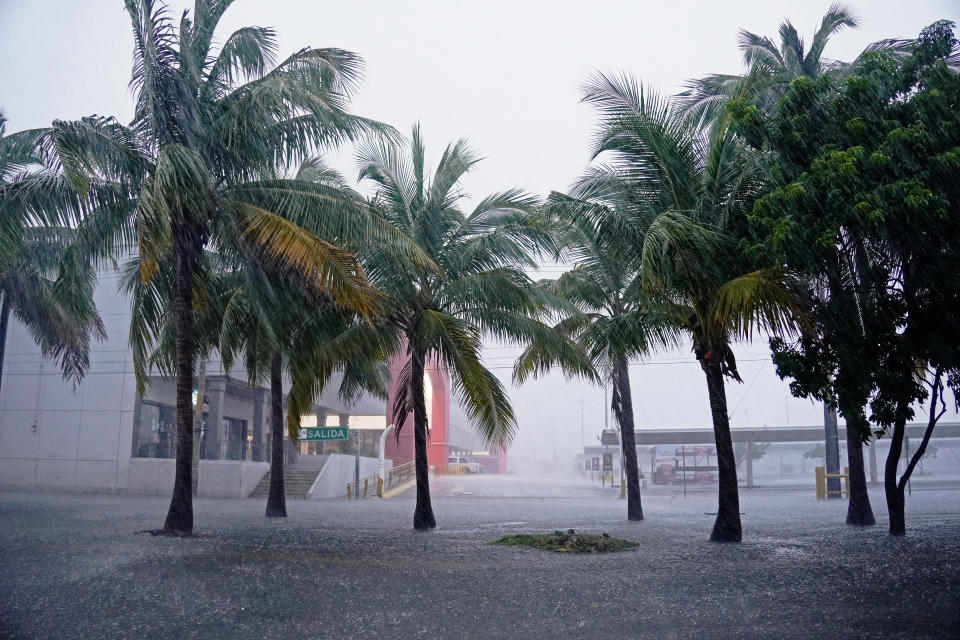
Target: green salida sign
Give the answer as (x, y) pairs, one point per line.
(313, 434)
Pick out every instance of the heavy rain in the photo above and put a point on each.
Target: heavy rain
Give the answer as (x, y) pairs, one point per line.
(494, 320)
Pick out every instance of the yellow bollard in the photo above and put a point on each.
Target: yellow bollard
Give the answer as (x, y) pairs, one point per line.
(846, 482)
(365, 481)
(821, 475)
(623, 488)
(349, 492)
(379, 487)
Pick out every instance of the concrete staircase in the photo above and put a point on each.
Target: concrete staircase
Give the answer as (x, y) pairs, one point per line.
(296, 484)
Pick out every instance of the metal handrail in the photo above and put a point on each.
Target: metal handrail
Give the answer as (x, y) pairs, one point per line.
(394, 475)
(399, 472)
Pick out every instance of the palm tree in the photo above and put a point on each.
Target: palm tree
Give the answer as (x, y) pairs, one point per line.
(271, 324)
(770, 68)
(610, 319)
(277, 322)
(209, 124)
(42, 281)
(480, 288)
(695, 192)
(279, 325)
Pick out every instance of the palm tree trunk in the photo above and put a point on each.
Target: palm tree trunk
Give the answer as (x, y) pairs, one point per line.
(623, 410)
(895, 501)
(423, 513)
(180, 515)
(277, 499)
(727, 527)
(859, 512)
(4, 322)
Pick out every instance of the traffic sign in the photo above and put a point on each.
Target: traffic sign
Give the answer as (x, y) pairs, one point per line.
(313, 434)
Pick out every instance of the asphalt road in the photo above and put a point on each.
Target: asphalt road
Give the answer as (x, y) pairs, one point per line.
(73, 566)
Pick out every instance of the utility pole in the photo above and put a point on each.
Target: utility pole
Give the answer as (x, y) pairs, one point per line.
(554, 446)
(832, 443)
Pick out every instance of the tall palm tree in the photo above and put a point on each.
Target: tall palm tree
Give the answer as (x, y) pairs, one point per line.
(770, 68)
(209, 124)
(42, 281)
(610, 319)
(440, 316)
(272, 324)
(695, 191)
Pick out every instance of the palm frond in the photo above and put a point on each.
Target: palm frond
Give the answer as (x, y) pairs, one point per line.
(762, 300)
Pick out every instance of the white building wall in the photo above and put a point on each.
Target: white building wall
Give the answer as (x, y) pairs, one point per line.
(338, 470)
(57, 435)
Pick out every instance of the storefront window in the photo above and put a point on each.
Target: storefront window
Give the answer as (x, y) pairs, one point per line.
(235, 441)
(156, 435)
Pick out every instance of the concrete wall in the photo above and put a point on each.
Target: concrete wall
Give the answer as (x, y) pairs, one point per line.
(338, 471)
(218, 478)
(311, 462)
(151, 476)
(55, 435)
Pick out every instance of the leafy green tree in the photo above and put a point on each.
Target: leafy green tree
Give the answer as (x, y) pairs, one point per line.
(43, 282)
(817, 452)
(441, 315)
(689, 195)
(864, 203)
(188, 173)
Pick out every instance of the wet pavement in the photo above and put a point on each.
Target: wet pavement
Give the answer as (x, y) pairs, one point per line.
(73, 566)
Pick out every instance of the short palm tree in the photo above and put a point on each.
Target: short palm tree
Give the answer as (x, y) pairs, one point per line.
(610, 319)
(188, 174)
(42, 281)
(277, 323)
(695, 191)
(441, 316)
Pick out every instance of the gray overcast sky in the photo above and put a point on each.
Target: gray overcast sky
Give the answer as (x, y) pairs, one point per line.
(504, 74)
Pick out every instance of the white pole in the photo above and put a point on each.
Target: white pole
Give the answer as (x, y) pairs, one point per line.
(606, 414)
(383, 450)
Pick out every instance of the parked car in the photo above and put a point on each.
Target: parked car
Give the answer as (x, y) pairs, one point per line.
(472, 467)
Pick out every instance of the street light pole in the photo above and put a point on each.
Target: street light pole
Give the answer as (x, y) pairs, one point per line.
(606, 414)
(356, 467)
(581, 425)
(554, 446)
